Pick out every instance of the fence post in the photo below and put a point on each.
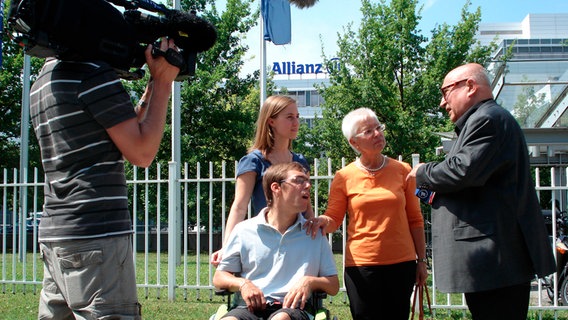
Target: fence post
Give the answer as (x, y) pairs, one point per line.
(415, 159)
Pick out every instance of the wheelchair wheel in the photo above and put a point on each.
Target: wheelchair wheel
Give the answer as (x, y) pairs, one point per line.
(563, 293)
(549, 287)
(322, 314)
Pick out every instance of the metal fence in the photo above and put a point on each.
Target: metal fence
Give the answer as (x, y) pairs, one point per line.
(194, 202)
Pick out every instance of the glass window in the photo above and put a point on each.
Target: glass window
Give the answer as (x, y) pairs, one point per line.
(315, 99)
(301, 98)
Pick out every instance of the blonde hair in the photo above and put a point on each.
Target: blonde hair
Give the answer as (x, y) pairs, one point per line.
(271, 108)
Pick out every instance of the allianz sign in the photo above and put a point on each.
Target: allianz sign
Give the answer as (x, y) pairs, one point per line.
(291, 67)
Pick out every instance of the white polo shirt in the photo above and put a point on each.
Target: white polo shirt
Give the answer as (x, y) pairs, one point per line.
(274, 261)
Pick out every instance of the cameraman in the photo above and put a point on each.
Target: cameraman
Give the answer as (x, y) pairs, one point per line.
(86, 126)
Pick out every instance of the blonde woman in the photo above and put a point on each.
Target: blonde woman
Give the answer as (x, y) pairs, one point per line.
(277, 125)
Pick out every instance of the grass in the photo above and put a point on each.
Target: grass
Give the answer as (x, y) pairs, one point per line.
(20, 302)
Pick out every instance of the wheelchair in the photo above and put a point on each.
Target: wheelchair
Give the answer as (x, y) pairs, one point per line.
(315, 303)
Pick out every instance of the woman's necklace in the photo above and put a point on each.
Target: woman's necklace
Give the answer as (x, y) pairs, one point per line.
(373, 170)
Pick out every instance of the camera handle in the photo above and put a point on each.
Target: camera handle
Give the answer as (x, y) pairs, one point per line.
(172, 56)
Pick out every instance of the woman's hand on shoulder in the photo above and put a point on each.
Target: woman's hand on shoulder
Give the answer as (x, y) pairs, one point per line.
(216, 257)
(312, 226)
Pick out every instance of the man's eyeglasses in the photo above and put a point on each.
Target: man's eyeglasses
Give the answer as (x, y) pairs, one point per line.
(446, 89)
(369, 132)
(297, 180)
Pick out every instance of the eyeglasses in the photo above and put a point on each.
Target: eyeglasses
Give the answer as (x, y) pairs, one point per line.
(297, 180)
(369, 132)
(445, 90)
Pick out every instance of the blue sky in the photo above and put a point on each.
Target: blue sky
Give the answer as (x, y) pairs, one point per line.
(328, 17)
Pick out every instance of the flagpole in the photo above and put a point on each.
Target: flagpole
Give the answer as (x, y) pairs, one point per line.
(1, 28)
(262, 61)
(174, 174)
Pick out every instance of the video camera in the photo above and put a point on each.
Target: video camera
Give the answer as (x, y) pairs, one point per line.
(87, 30)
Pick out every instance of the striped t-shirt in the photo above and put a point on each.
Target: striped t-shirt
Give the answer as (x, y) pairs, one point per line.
(72, 103)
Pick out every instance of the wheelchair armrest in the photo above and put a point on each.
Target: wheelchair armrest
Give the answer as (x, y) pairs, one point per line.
(225, 292)
(319, 294)
(222, 292)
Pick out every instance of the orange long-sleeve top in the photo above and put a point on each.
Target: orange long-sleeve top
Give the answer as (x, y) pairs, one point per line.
(382, 209)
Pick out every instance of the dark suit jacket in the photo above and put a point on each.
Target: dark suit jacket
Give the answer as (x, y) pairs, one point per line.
(487, 228)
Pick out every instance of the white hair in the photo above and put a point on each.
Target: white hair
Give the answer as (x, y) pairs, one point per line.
(351, 121)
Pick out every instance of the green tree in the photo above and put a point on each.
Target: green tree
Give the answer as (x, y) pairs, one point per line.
(529, 105)
(218, 108)
(388, 66)
(11, 82)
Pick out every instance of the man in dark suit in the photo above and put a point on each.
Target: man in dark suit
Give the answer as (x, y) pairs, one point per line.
(489, 237)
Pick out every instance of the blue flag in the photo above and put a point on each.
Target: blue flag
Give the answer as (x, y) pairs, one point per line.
(277, 22)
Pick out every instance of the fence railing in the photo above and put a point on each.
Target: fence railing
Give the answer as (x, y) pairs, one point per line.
(194, 205)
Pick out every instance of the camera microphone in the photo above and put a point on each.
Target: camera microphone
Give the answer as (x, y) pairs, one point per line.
(83, 30)
(188, 30)
(190, 33)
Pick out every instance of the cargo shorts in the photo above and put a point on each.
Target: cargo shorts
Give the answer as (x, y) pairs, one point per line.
(89, 279)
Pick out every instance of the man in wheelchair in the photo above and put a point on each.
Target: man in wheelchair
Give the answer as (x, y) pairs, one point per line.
(278, 265)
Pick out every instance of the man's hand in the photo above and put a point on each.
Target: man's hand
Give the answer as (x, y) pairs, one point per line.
(216, 257)
(160, 69)
(253, 296)
(412, 173)
(298, 294)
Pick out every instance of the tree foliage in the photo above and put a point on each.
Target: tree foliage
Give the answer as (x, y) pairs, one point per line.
(11, 82)
(391, 68)
(529, 106)
(218, 108)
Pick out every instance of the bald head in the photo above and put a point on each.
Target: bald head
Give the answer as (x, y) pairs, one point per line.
(477, 73)
(464, 87)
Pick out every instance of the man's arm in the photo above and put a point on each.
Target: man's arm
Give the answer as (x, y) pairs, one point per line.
(302, 291)
(139, 141)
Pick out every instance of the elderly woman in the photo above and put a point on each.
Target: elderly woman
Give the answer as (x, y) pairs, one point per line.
(385, 252)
